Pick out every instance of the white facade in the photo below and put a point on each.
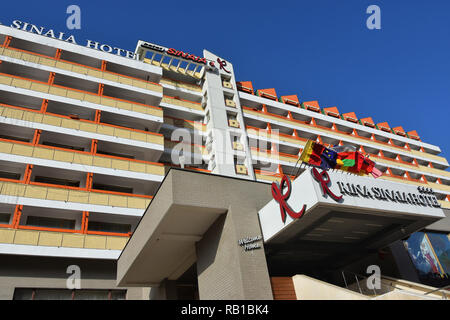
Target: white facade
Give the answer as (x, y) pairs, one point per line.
(87, 137)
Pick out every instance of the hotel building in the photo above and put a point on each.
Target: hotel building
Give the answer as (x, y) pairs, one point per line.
(88, 136)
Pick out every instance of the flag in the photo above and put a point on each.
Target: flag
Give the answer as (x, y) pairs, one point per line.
(376, 173)
(356, 168)
(367, 165)
(311, 154)
(339, 149)
(347, 159)
(339, 157)
(329, 158)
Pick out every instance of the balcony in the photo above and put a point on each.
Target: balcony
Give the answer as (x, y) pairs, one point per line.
(182, 103)
(82, 128)
(95, 74)
(274, 157)
(187, 90)
(91, 100)
(60, 197)
(303, 115)
(290, 124)
(80, 160)
(269, 177)
(61, 239)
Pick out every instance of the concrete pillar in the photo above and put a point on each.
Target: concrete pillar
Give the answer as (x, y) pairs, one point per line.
(167, 290)
(225, 270)
(138, 294)
(6, 292)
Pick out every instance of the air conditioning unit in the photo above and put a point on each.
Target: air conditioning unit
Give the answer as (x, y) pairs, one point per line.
(233, 123)
(241, 169)
(238, 146)
(227, 84)
(230, 103)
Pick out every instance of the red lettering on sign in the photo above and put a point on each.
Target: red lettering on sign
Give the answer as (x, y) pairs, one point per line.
(282, 198)
(323, 178)
(172, 51)
(186, 55)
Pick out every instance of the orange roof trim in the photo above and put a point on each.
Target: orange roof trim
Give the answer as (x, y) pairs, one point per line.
(311, 105)
(268, 93)
(368, 122)
(332, 111)
(384, 126)
(399, 131)
(414, 135)
(292, 100)
(246, 86)
(350, 116)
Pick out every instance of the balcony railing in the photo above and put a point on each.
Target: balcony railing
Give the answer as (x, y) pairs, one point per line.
(326, 130)
(36, 236)
(79, 68)
(79, 157)
(43, 191)
(81, 124)
(182, 103)
(43, 87)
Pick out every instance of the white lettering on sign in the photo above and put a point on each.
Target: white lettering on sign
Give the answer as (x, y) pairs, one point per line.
(249, 243)
(424, 198)
(25, 26)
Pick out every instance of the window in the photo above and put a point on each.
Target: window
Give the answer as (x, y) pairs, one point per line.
(50, 222)
(430, 255)
(4, 218)
(10, 175)
(106, 187)
(61, 182)
(120, 155)
(2, 136)
(62, 146)
(441, 246)
(108, 227)
(65, 294)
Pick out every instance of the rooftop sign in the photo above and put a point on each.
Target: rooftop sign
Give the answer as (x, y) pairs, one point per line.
(50, 33)
(221, 64)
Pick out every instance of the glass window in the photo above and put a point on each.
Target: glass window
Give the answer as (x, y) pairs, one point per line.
(23, 294)
(91, 295)
(65, 294)
(4, 218)
(108, 227)
(50, 222)
(441, 246)
(53, 294)
(422, 254)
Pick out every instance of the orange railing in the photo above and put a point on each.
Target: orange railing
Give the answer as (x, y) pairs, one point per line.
(81, 120)
(320, 127)
(81, 65)
(82, 91)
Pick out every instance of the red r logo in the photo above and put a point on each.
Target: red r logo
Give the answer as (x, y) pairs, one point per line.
(222, 64)
(323, 178)
(281, 199)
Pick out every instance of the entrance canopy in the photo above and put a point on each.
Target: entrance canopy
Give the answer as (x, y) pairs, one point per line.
(345, 215)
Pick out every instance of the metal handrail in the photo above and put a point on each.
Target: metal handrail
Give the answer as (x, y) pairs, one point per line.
(391, 286)
(357, 280)
(439, 289)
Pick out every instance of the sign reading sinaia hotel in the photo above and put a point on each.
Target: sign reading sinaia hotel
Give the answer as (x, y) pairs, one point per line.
(25, 26)
(342, 191)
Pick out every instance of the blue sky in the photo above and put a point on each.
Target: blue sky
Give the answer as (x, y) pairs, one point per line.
(320, 50)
